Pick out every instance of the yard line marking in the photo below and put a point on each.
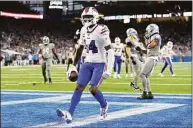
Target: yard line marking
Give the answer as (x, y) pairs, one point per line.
(113, 115)
(39, 100)
(110, 83)
(85, 92)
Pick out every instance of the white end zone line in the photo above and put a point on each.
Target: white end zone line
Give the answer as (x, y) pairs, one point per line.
(113, 115)
(85, 92)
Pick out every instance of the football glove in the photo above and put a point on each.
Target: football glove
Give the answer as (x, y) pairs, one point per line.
(106, 75)
(71, 70)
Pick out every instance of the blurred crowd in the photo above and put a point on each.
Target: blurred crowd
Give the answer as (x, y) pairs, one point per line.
(25, 35)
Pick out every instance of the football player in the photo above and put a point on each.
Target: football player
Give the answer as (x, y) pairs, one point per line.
(70, 57)
(166, 53)
(47, 49)
(153, 42)
(128, 63)
(96, 39)
(132, 42)
(118, 50)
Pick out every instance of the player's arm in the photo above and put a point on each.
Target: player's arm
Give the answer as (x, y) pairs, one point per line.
(142, 51)
(108, 48)
(54, 52)
(153, 43)
(78, 54)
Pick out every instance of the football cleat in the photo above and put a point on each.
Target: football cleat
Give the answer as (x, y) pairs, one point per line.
(45, 80)
(126, 75)
(50, 81)
(150, 95)
(173, 75)
(143, 96)
(160, 74)
(134, 86)
(115, 75)
(118, 76)
(64, 115)
(103, 112)
(131, 75)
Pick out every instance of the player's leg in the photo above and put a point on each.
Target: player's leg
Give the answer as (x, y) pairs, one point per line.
(119, 62)
(164, 67)
(48, 67)
(137, 70)
(146, 71)
(131, 67)
(115, 67)
(170, 66)
(95, 81)
(44, 71)
(126, 67)
(84, 77)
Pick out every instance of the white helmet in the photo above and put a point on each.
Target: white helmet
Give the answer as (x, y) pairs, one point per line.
(46, 40)
(131, 32)
(150, 30)
(117, 40)
(89, 16)
(170, 44)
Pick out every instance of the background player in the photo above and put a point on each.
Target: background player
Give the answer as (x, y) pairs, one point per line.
(47, 50)
(166, 53)
(132, 42)
(70, 56)
(153, 41)
(97, 41)
(118, 50)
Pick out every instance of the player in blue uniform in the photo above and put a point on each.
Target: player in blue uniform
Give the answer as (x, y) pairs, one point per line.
(96, 39)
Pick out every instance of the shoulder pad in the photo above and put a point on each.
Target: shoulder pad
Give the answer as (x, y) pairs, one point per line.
(40, 45)
(104, 29)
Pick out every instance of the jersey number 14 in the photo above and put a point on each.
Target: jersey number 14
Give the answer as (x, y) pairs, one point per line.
(92, 47)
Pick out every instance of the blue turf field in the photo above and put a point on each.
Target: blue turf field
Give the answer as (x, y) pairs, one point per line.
(35, 108)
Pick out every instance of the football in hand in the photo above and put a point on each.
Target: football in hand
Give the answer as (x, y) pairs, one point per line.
(73, 76)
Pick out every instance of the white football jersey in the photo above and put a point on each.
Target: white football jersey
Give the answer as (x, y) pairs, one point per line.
(95, 41)
(118, 48)
(166, 52)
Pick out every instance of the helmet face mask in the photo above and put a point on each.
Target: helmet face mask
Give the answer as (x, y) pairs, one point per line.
(170, 44)
(131, 32)
(89, 16)
(46, 40)
(150, 30)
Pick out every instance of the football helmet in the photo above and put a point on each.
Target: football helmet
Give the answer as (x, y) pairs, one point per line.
(117, 40)
(170, 44)
(131, 32)
(150, 30)
(89, 16)
(46, 40)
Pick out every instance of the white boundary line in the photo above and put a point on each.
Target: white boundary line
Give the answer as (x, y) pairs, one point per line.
(43, 91)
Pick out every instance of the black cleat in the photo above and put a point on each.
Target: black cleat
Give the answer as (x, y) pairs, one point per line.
(45, 80)
(150, 95)
(50, 81)
(143, 96)
(135, 86)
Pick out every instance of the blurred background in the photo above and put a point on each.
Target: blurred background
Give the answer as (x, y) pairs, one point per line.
(24, 23)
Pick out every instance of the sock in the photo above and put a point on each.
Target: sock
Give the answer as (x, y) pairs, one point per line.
(114, 66)
(119, 67)
(99, 97)
(165, 65)
(74, 101)
(144, 82)
(171, 69)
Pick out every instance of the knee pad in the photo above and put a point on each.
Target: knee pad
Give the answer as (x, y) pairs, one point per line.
(93, 90)
(79, 87)
(142, 75)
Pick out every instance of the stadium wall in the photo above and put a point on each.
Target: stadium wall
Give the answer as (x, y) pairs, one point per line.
(182, 59)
